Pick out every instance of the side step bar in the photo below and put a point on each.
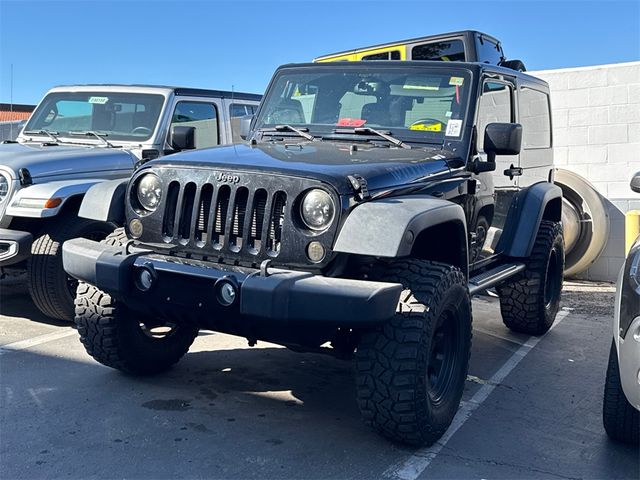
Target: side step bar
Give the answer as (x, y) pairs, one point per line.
(494, 276)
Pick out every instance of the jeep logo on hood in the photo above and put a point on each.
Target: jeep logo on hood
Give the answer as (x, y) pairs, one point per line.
(226, 178)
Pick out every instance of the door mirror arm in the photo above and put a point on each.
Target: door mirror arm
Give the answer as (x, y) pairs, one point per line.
(478, 166)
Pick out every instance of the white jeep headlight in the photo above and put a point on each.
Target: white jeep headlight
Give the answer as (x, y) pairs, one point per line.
(149, 191)
(317, 209)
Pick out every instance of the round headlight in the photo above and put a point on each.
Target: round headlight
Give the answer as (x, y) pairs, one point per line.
(4, 188)
(317, 209)
(149, 191)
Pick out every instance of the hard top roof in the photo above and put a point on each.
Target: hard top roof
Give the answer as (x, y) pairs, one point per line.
(413, 40)
(161, 89)
(472, 66)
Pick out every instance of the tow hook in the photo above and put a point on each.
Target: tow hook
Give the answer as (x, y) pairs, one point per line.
(264, 268)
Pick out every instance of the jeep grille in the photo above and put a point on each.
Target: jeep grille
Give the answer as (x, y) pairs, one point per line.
(224, 217)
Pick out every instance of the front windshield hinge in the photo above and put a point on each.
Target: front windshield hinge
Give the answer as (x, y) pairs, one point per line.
(25, 177)
(360, 188)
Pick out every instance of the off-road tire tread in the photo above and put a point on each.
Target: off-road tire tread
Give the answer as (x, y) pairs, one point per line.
(522, 298)
(386, 374)
(621, 421)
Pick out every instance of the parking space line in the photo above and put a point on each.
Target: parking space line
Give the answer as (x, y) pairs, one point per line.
(495, 335)
(412, 468)
(32, 342)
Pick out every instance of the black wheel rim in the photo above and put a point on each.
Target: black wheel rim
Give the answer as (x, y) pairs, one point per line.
(442, 357)
(552, 282)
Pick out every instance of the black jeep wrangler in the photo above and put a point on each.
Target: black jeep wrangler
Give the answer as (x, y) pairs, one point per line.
(372, 200)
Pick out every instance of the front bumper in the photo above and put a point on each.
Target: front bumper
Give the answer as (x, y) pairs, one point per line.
(188, 287)
(15, 246)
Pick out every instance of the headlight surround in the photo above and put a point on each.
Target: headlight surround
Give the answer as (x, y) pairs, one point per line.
(4, 188)
(149, 191)
(317, 209)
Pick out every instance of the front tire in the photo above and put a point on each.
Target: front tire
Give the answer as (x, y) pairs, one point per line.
(621, 421)
(530, 302)
(119, 338)
(51, 289)
(410, 373)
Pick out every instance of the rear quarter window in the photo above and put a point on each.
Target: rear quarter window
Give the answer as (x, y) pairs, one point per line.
(533, 108)
(488, 51)
(449, 51)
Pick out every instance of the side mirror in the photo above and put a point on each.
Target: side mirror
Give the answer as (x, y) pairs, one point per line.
(635, 183)
(502, 139)
(245, 126)
(182, 138)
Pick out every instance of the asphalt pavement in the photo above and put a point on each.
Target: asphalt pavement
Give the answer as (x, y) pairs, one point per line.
(531, 408)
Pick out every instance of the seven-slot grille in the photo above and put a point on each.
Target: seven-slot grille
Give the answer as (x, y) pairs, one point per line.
(224, 217)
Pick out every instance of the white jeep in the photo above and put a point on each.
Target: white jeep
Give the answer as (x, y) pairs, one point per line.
(78, 137)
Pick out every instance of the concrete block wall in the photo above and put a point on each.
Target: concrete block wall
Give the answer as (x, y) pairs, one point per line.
(596, 131)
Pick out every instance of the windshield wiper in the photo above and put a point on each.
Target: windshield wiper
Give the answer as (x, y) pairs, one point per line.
(93, 133)
(282, 128)
(370, 131)
(52, 135)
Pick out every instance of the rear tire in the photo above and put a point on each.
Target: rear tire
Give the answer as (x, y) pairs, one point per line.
(51, 289)
(122, 339)
(530, 302)
(621, 421)
(410, 373)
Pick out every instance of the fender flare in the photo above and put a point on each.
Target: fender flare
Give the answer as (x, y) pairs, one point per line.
(390, 227)
(525, 214)
(104, 201)
(39, 193)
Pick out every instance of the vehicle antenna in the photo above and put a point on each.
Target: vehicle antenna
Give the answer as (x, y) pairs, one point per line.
(11, 103)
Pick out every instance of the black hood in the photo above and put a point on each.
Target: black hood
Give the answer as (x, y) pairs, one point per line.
(328, 161)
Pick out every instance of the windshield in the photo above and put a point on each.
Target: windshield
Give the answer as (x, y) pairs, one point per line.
(415, 104)
(118, 116)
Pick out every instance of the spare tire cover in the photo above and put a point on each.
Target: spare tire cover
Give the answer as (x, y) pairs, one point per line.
(585, 219)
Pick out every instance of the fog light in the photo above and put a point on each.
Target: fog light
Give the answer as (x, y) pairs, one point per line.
(226, 291)
(145, 278)
(135, 227)
(315, 252)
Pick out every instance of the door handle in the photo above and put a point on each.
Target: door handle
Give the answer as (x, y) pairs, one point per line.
(513, 172)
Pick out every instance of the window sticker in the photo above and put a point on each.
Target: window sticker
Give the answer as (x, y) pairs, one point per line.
(457, 81)
(448, 114)
(99, 100)
(433, 127)
(454, 128)
(351, 122)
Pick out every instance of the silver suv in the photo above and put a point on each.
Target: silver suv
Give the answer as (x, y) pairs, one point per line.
(78, 137)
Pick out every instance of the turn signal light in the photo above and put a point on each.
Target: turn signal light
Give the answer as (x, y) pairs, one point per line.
(53, 202)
